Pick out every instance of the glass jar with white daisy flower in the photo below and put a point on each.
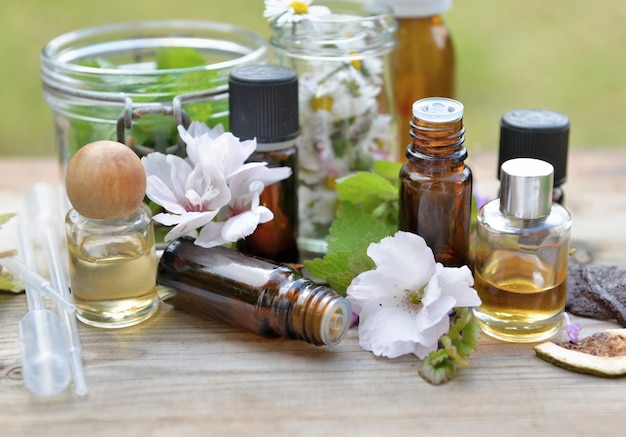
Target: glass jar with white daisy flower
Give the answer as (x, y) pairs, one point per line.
(340, 50)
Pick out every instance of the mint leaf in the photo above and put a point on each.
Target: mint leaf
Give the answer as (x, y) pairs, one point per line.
(388, 169)
(362, 186)
(353, 228)
(368, 212)
(351, 233)
(178, 57)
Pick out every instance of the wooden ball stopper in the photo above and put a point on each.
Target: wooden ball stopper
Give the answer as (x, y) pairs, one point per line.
(105, 180)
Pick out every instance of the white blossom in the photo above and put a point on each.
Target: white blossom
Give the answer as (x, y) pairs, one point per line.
(405, 302)
(214, 189)
(290, 11)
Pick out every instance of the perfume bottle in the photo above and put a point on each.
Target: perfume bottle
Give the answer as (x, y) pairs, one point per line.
(263, 102)
(522, 249)
(250, 293)
(435, 183)
(423, 60)
(112, 259)
(540, 134)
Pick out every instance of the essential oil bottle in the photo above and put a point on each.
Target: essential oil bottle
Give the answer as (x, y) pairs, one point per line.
(250, 293)
(540, 134)
(263, 103)
(522, 249)
(423, 59)
(435, 183)
(110, 238)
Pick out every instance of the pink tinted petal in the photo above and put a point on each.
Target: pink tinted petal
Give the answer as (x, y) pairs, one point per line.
(161, 194)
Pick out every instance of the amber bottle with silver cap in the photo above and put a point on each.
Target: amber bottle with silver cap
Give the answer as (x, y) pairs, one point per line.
(522, 249)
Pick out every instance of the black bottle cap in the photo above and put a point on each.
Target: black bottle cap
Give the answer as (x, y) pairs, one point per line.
(535, 133)
(263, 103)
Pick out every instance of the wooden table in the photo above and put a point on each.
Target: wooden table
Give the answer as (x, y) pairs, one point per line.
(178, 374)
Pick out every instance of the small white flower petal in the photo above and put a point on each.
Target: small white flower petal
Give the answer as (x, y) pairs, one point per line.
(161, 194)
(185, 223)
(404, 252)
(210, 235)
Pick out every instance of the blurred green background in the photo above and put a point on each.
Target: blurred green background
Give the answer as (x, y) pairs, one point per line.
(567, 56)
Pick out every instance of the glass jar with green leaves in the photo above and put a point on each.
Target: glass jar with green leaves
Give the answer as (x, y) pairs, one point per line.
(135, 82)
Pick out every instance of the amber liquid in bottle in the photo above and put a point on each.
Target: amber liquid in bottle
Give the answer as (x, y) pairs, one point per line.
(112, 266)
(436, 185)
(253, 294)
(522, 297)
(423, 65)
(276, 239)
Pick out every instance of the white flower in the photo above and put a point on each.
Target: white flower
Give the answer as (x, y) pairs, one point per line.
(289, 11)
(244, 212)
(193, 195)
(404, 304)
(214, 188)
(216, 147)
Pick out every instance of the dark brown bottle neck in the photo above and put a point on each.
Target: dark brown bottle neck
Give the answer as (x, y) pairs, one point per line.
(437, 140)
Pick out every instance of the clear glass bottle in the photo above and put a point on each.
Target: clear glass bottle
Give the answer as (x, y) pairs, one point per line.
(112, 266)
(423, 62)
(263, 104)
(540, 134)
(110, 238)
(522, 249)
(347, 113)
(435, 183)
(252, 294)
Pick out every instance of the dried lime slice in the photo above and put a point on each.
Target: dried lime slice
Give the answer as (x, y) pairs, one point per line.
(602, 354)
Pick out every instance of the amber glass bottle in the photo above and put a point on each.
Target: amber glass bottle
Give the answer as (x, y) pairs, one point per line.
(250, 293)
(263, 102)
(423, 60)
(436, 185)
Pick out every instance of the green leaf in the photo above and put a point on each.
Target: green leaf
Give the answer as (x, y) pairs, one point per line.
(5, 218)
(437, 368)
(362, 186)
(178, 57)
(388, 169)
(353, 229)
(351, 233)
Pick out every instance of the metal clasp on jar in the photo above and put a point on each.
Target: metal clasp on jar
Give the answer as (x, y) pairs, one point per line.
(125, 122)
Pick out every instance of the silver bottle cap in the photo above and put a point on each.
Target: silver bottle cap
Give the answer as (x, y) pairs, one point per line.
(526, 188)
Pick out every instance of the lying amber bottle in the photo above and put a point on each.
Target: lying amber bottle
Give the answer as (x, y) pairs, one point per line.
(250, 293)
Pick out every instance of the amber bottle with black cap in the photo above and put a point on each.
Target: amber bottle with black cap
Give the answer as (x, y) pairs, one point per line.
(539, 134)
(263, 102)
